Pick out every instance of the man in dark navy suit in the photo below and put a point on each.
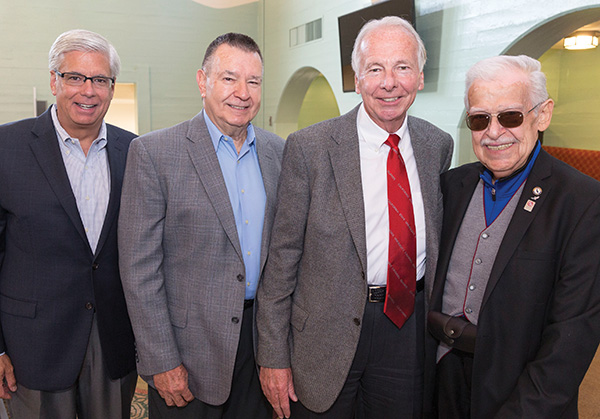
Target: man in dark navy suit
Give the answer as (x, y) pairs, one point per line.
(66, 342)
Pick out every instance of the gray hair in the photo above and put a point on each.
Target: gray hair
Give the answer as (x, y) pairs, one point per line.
(493, 68)
(383, 23)
(86, 41)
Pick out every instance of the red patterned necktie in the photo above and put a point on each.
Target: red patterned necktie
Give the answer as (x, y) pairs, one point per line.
(402, 273)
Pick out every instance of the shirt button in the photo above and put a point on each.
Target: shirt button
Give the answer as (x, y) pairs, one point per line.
(248, 284)
(243, 191)
(248, 253)
(485, 235)
(478, 261)
(246, 221)
(472, 287)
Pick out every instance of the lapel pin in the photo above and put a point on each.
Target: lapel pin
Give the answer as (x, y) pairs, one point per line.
(529, 205)
(537, 191)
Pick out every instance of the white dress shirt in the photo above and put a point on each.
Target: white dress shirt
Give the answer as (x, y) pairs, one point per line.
(373, 168)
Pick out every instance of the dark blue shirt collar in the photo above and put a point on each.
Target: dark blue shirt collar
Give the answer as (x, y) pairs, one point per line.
(497, 194)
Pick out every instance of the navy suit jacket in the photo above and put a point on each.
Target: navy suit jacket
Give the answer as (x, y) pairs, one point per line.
(539, 324)
(51, 284)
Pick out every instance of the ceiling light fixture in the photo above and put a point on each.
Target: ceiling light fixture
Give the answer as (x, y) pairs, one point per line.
(581, 40)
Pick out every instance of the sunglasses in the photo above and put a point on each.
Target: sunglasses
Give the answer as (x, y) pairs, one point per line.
(508, 119)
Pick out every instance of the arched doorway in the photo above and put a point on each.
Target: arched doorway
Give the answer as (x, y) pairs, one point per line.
(306, 99)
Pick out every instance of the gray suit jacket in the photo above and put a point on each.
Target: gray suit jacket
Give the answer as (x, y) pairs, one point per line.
(181, 263)
(313, 293)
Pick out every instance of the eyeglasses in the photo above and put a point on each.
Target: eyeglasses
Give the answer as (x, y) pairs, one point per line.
(76, 79)
(508, 119)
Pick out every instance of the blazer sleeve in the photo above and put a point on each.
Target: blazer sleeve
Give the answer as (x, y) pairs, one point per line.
(275, 290)
(141, 225)
(550, 382)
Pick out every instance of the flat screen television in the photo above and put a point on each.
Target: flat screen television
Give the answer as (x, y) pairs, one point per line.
(349, 25)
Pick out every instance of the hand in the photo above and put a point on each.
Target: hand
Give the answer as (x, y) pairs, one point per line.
(278, 386)
(7, 377)
(172, 386)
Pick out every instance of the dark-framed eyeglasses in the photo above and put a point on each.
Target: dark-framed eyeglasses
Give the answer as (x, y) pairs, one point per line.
(508, 119)
(76, 79)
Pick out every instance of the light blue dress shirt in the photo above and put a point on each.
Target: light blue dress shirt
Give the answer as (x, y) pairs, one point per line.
(89, 177)
(247, 195)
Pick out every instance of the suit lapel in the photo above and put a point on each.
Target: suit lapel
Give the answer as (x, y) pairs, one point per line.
(270, 174)
(424, 168)
(522, 219)
(117, 154)
(47, 152)
(204, 158)
(344, 153)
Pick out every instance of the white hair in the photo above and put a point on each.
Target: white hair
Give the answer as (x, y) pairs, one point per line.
(384, 23)
(83, 40)
(492, 68)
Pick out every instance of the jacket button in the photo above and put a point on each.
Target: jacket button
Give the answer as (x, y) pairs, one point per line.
(235, 320)
(357, 321)
(89, 306)
(240, 277)
(95, 266)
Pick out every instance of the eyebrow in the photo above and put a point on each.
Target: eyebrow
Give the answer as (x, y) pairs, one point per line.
(235, 74)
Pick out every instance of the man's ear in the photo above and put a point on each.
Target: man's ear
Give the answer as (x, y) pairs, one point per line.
(545, 115)
(53, 82)
(201, 79)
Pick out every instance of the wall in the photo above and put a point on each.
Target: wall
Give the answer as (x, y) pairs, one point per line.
(161, 44)
(457, 33)
(573, 84)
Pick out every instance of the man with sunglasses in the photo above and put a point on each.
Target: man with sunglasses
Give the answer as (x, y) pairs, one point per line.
(66, 343)
(515, 308)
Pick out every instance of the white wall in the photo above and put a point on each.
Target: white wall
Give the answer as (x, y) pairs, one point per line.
(457, 33)
(161, 44)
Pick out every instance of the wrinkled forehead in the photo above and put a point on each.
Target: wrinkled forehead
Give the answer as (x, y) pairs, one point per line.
(389, 40)
(506, 91)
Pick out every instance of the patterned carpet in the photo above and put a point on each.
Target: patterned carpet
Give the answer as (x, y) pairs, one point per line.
(139, 407)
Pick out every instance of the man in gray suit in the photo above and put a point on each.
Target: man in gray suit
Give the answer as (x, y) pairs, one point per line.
(197, 208)
(332, 331)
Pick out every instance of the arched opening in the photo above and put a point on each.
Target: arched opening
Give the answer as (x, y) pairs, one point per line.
(306, 99)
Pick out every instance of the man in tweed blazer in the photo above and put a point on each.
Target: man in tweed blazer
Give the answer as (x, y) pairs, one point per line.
(198, 204)
(323, 338)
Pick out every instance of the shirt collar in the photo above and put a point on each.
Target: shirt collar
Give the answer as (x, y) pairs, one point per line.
(216, 134)
(373, 134)
(63, 135)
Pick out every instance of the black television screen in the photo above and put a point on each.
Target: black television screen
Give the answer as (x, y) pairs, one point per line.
(349, 25)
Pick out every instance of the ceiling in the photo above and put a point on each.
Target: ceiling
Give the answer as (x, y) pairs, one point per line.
(224, 4)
